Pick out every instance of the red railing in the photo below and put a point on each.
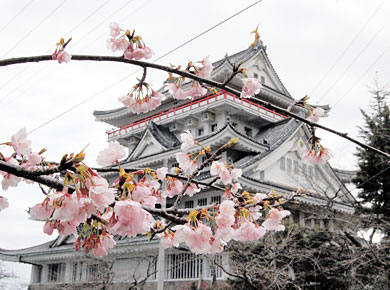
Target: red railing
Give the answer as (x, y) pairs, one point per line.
(194, 104)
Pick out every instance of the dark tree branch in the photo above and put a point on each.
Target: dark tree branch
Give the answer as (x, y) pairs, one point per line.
(143, 64)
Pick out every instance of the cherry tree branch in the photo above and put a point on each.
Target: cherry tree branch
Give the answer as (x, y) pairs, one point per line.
(20, 171)
(29, 59)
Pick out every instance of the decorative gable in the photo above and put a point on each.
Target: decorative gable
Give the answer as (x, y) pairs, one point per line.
(147, 146)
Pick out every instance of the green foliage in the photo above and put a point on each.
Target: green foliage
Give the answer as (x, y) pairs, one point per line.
(373, 175)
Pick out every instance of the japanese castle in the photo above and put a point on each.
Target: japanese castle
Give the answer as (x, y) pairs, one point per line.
(269, 152)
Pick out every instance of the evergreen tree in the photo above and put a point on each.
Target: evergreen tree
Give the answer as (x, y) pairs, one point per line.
(373, 176)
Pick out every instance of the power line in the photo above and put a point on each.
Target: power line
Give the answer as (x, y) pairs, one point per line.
(347, 48)
(164, 55)
(35, 27)
(16, 15)
(354, 60)
(359, 79)
(73, 45)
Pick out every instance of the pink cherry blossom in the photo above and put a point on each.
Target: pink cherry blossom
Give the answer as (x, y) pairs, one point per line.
(34, 159)
(131, 219)
(182, 234)
(275, 216)
(100, 193)
(122, 44)
(216, 167)
(185, 162)
(67, 206)
(114, 29)
(63, 56)
(140, 192)
(106, 242)
(42, 211)
(3, 203)
(162, 173)
(48, 228)
(251, 86)
(225, 176)
(192, 189)
(150, 201)
(112, 44)
(200, 238)
(20, 143)
(10, 180)
(235, 187)
(110, 155)
(166, 240)
(176, 91)
(249, 232)
(207, 68)
(174, 187)
(320, 155)
(195, 91)
(315, 115)
(236, 173)
(187, 140)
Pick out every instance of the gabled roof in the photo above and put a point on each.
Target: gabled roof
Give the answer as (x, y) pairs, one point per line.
(161, 135)
(244, 56)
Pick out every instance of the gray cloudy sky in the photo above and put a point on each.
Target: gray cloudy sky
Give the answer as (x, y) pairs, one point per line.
(330, 50)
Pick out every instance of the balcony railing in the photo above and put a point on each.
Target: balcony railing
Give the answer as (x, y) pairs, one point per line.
(188, 107)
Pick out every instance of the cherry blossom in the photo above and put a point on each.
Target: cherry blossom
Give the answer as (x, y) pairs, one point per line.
(20, 143)
(42, 211)
(249, 232)
(275, 216)
(3, 203)
(177, 92)
(105, 242)
(317, 155)
(111, 154)
(114, 29)
(63, 56)
(315, 115)
(67, 206)
(251, 86)
(185, 162)
(131, 219)
(162, 173)
(207, 68)
(192, 189)
(10, 180)
(187, 140)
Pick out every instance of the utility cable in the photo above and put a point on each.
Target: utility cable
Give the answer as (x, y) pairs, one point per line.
(164, 55)
(16, 15)
(348, 47)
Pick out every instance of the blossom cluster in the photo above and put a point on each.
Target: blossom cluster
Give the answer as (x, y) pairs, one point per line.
(92, 209)
(133, 46)
(60, 54)
(180, 89)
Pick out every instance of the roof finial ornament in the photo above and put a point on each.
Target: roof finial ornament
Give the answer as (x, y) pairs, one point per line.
(257, 36)
(227, 121)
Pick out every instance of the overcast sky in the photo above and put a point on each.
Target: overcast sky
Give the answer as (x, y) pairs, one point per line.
(330, 50)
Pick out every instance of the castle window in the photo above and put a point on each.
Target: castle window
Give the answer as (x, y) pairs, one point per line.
(189, 204)
(77, 271)
(200, 131)
(56, 273)
(304, 169)
(262, 80)
(311, 171)
(289, 165)
(255, 75)
(214, 127)
(216, 199)
(262, 177)
(183, 266)
(202, 201)
(296, 167)
(248, 131)
(282, 163)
